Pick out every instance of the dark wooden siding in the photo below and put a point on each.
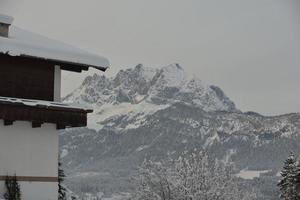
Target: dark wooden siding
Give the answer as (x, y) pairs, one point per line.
(26, 78)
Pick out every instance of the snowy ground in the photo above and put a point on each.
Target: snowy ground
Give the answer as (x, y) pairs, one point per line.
(251, 174)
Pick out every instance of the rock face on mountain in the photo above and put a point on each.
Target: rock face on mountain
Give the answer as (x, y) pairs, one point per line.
(145, 113)
(143, 91)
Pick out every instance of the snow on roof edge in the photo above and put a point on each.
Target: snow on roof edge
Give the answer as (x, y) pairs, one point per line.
(5, 19)
(62, 61)
(24, 43)
(48, 104)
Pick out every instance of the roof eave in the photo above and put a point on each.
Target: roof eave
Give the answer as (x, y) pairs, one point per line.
(67, 65)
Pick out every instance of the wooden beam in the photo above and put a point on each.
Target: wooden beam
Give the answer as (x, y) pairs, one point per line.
(60, 126)
(8, 122)
(36, 124)
(31, 179)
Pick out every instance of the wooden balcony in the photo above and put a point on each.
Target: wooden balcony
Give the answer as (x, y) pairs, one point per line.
(39, 112)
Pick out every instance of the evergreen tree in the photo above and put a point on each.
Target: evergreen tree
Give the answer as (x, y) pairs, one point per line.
(61, 188)
(287, 183)
(297, 180)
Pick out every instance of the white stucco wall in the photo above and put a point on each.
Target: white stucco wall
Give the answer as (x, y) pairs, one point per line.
(27, 151)
(57, 83)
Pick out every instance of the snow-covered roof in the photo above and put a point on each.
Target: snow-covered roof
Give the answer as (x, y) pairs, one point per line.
(25, 43)
(43, 104)
(6, 19)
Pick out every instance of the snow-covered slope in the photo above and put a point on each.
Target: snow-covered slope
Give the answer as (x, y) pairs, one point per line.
(143, 91)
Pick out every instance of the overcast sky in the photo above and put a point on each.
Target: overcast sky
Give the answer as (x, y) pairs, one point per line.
(250, 48)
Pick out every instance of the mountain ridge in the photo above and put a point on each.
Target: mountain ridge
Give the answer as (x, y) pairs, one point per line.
(149, 86)
(155, 113)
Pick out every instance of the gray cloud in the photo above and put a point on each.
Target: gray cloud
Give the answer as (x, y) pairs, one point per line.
(9, 7)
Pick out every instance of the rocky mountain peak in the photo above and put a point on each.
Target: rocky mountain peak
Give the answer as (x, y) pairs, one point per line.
(171, 76)
(174, 67)
(134, 75)
(151, 87)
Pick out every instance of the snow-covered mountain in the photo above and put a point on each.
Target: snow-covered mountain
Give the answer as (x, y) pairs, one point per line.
(155, 113)
(142, 91)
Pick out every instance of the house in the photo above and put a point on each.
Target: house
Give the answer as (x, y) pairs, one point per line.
(31, 112)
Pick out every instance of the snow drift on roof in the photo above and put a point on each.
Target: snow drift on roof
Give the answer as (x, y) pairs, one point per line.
(6, 19)
(41, 103)
(24, 43)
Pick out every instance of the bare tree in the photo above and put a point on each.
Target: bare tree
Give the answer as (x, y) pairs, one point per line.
(190, 177)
